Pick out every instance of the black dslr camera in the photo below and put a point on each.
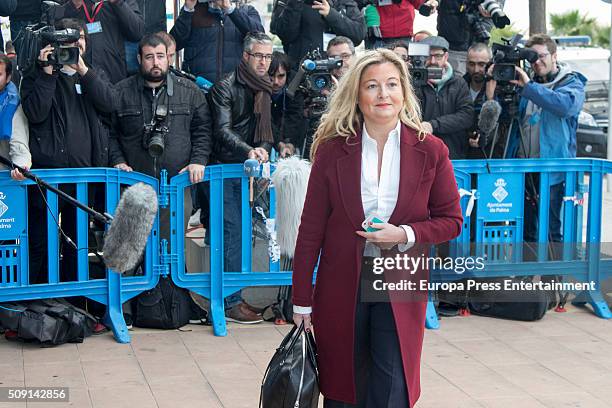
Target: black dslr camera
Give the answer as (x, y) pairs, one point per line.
(417, 60)
(154, 137)
(38, 36)
(480, 29)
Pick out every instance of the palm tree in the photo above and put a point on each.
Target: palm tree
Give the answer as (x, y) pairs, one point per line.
(574, 23)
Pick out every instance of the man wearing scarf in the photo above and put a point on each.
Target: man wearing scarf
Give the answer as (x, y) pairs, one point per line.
(13, 124)
(241, 105)
(446, 104)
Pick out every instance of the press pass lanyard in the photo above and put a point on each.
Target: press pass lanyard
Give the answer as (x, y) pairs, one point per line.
(95, 10)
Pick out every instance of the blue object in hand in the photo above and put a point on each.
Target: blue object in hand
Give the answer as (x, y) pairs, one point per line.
(251, 167)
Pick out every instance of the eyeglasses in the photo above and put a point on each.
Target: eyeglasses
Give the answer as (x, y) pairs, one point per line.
(344, 57)
(543, 55)
(258, 56)
(437, 57)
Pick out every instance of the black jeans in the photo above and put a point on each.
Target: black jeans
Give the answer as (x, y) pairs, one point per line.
(379, 372)
(554, 214)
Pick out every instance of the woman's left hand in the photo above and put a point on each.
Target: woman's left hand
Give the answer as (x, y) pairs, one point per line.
(387, 236)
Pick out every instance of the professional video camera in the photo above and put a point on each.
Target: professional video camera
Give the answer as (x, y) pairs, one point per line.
(506, 58)
(480, 29)
(417, 59)
(38, 36)
(314, 81)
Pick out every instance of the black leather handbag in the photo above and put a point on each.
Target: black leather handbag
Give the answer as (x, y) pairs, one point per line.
(292, 377)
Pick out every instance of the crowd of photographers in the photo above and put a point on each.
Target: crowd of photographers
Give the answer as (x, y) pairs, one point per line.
(72, 103)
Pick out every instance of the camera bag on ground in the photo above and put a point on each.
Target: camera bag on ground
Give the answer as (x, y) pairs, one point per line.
(523, 305)
(292, 376)
(50, 322)
(166, 306)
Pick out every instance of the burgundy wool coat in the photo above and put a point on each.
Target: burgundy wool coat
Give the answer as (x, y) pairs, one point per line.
(428, 201)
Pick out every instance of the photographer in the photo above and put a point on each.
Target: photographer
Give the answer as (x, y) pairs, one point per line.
(63, 106)
(180, 110)
(304, 26)
(110, 24)
(463, 23)
(548, 115)
(445, 103)
(241, 103)
(212, 33)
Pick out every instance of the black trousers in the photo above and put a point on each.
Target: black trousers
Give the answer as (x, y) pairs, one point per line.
(379, 373)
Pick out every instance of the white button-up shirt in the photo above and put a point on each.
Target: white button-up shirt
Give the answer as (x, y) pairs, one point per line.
(378, 196)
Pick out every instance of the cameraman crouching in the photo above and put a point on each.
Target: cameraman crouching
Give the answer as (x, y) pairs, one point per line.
(548, 113)
(178, 137)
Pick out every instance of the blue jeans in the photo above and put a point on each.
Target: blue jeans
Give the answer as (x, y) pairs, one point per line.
(232, 234)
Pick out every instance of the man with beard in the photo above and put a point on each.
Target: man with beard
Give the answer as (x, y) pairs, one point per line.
(179, 106)
(63, 107)
(445, 103)
(478, 56)
(241, 104)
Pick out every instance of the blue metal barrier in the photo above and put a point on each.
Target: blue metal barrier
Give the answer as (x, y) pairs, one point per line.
(493, 238)
(496, 237)
(113, 289)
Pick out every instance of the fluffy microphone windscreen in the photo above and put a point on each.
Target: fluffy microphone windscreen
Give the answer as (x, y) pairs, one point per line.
(291, 182)
(133, 220)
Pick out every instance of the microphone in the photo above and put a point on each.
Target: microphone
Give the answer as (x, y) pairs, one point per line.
(487, 120)
(127, 235)
(201, 82)
(251, 168)
(129, 229)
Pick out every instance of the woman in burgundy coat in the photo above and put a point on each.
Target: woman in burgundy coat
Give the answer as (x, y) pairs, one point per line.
(371, 157)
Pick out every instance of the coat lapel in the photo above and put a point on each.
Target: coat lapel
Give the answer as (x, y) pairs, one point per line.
(349, 180)
(412, 165)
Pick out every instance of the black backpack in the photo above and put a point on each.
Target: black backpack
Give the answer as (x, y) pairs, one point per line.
(49, 322)
(166, 306)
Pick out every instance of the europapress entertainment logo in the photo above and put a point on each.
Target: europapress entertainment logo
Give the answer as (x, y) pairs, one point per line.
(3, 207)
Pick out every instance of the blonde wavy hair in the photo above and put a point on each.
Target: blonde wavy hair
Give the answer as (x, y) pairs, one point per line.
(343, 117)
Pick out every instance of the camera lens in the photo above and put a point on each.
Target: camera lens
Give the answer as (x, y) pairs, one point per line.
(156, 145)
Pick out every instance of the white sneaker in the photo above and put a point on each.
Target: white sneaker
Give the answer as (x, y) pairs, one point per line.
(194, 220)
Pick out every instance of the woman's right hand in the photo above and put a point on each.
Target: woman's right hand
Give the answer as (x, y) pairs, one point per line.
(298, 318)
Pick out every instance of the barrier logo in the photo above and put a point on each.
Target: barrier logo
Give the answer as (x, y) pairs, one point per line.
(500, 192)
(3, 207)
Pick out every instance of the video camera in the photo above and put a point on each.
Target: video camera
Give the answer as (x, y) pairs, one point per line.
(417, 59)
(38, 36)
(480, 29)
(313, 78)
(506, 58)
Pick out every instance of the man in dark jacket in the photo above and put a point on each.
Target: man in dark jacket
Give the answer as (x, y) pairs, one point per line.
(109, 23)
(243, 129)
(478, 57)
(303, 28)
(6, 8)
(446, 105)
(62, 107)
(212, 34)
(25, 13)
(186, 144)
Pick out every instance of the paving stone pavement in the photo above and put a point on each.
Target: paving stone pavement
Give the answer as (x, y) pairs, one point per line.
(563, 360)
